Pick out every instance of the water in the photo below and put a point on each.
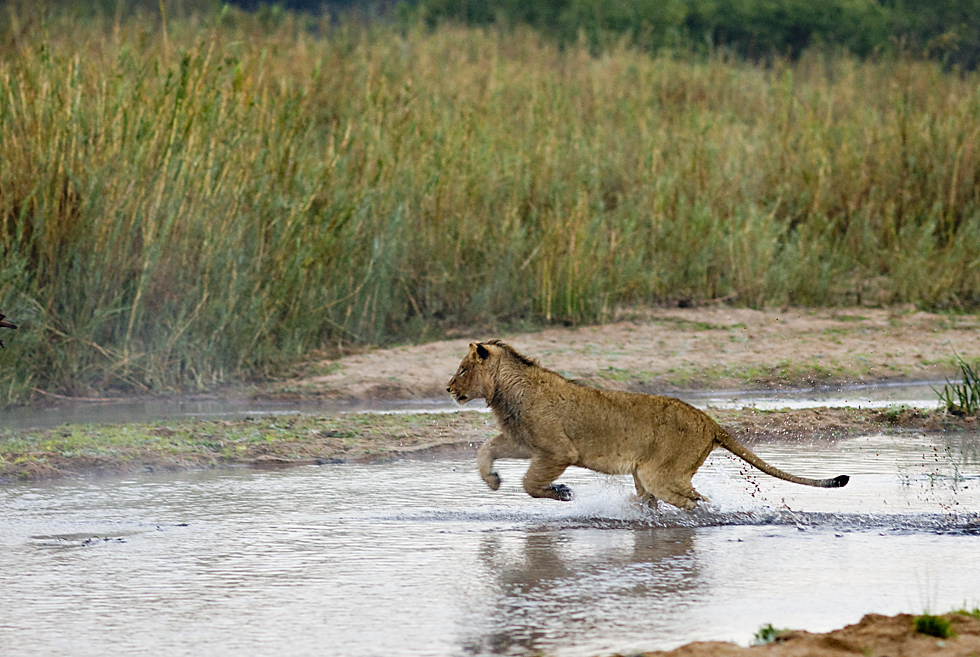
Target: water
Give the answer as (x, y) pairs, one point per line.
(153, 409)
(918, 394)
(415, 558)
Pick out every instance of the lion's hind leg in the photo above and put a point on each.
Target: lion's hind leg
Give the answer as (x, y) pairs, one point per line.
(642, 494)
(687, 492)
(678, 492)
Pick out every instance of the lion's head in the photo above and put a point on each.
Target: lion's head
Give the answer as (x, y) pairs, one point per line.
(472, 379)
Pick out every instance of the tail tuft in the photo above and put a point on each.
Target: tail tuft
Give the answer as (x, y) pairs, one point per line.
(838, 482)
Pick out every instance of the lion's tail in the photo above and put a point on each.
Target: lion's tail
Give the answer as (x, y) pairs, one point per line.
(738, 449)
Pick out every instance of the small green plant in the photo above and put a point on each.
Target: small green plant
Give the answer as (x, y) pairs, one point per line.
(767, 634)
(936, 626)
(962, 398)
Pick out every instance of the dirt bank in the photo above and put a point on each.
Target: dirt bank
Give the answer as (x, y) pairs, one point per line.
(301, 439)
(873, 636)
(666, 350)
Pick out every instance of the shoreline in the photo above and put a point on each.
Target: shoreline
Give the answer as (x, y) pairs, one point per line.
(875, 635)
(662, 351)
(289, 440)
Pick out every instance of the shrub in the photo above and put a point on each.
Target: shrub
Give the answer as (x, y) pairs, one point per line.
(936, 626)
(767, 634)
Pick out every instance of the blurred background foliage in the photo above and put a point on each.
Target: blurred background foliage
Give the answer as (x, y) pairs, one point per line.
(193, 194)
(947, 30)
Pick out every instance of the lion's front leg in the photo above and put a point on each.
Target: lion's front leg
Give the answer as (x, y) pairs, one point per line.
(540, 475)
(553, 452)
(501, 446)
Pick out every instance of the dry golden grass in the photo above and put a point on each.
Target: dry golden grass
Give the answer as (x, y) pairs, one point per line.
(186, 206)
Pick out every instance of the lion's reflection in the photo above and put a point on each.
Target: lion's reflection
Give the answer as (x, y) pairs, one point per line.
(555, 581)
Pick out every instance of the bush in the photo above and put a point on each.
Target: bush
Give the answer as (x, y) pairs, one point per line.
(936, 626)
(756, 29)
(767, 634)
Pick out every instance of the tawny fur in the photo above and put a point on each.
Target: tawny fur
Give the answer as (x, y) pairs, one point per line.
(556, 423)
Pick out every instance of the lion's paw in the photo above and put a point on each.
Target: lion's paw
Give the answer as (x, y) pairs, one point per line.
(493, 480)
(561, 491)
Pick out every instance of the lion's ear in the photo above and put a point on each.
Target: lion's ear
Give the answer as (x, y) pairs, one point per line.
(482, 352)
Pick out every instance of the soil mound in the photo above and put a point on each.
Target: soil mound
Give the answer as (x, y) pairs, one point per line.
(874, 636)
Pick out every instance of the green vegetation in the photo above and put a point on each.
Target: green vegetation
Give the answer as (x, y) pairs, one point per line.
(767, 634)
(216, 196)
(962, 398)
(936, 626)
(352, 437)
(948, 30)
(259, 441)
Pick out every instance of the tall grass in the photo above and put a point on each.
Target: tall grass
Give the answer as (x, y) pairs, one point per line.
(962, 398)
(185, 206)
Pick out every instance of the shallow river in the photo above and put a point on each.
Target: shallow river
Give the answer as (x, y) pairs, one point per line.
(420, 558)
(920, 394)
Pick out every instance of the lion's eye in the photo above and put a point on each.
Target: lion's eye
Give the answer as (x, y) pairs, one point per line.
(462, 371)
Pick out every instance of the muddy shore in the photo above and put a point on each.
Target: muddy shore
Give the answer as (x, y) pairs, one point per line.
(874, 636)
(661, 351)
(301, 439)
(672, 349)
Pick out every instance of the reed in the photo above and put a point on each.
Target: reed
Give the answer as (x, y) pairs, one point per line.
(962, 398)
(190, 206)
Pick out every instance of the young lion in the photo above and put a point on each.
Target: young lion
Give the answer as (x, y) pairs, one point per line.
(556, 423)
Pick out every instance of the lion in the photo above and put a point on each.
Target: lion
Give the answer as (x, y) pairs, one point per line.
(556, 423)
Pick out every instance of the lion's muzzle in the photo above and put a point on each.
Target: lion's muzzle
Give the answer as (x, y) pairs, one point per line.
(459, 397)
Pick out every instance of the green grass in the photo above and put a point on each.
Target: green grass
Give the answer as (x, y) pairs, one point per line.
(354, 437)
(180, 443)
(767, 634)
(962, 398)
(212, 201)
(936, 626)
